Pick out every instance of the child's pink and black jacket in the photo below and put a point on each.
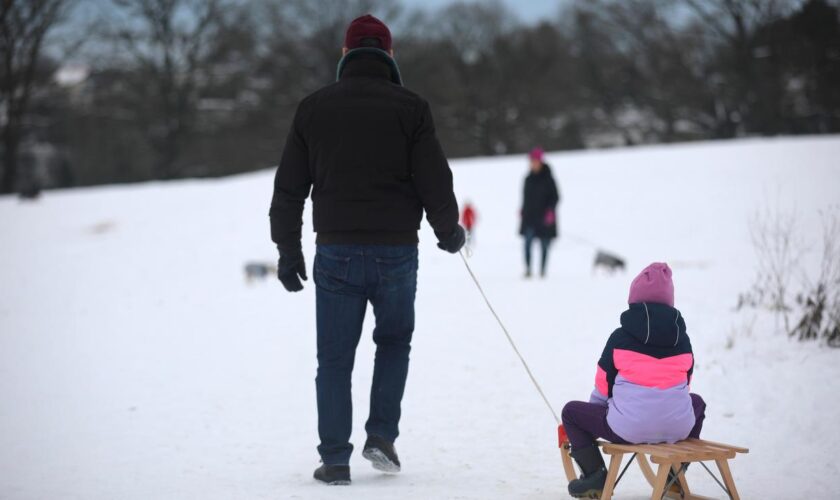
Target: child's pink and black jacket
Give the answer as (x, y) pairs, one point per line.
(644, 375)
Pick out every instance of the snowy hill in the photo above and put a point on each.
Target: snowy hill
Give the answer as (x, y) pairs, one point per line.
(136, 363)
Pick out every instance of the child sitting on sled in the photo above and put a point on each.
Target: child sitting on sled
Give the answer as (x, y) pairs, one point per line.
(642, 383)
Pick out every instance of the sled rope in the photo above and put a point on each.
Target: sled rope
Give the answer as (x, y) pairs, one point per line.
(507, 334)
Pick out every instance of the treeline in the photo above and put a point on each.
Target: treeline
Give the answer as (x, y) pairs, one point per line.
(159, 89)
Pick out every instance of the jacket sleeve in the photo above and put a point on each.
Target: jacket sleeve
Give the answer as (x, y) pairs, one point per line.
(431, 175)
(292, 184)
(605, 373)
(554, 194)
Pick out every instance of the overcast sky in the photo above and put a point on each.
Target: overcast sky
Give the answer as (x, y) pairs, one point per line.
(527, 10)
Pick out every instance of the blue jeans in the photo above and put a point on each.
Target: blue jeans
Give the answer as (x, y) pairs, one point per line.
(347, 277)
(530, 236)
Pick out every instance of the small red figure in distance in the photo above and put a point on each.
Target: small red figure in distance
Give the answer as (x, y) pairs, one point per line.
(468, 217)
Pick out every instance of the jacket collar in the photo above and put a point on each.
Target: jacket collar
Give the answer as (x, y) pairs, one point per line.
(654, 324)
(368, 62)
(545, 170)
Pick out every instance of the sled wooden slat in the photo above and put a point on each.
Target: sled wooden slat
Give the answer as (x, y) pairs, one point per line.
(658, 453)
(736, 449)
(706, 447)
(697, 453)
(667, 457)
(714, 451)
(649, 449)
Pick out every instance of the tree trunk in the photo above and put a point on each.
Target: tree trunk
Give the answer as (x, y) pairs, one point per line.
(11, 143)
(168, 152)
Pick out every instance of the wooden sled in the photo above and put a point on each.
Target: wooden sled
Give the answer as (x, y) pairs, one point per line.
(668, 457)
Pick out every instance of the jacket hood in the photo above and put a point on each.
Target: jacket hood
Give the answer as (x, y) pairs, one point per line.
(369, 58)
(653, 324)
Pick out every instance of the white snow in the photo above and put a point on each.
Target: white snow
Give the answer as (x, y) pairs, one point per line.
(135, 362)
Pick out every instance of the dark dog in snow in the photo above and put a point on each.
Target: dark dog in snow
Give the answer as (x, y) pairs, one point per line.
(608, 261)
(258, 271)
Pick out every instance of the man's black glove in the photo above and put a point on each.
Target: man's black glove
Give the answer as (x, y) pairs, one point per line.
(453, 241)
(289, 267)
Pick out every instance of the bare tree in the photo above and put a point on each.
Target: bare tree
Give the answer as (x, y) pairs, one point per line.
(736, 23)
(24, 26)
(167, 41)
(665, 83)
(314, 31)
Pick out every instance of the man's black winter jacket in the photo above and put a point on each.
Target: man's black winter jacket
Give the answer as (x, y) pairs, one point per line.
(367, 149)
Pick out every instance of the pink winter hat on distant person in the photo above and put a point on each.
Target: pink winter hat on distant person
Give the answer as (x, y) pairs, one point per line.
(537, 154)
(653, 284)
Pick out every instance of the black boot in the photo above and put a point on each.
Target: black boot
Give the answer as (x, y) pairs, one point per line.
(591, 483)
(333, 474)
(381, 454)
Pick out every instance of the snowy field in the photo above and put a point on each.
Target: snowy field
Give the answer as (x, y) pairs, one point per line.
(136, 363)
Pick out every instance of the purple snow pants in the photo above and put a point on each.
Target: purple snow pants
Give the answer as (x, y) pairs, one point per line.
(586, 422)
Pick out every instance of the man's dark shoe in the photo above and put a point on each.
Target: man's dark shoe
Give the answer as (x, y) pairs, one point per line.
(591, 483)
(381, 454)
(333, 474)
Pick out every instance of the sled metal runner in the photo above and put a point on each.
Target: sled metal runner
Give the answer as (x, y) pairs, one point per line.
(669, 458)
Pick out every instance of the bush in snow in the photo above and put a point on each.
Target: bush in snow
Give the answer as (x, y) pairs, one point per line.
(820, 302)
(778, 252)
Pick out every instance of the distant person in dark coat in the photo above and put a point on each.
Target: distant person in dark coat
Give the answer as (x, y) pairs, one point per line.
(539, 209)
(366, 149)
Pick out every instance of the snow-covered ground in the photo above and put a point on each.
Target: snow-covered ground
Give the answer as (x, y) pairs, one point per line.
(136, 363)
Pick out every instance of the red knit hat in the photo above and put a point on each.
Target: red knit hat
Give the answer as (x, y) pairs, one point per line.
(367, 26)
